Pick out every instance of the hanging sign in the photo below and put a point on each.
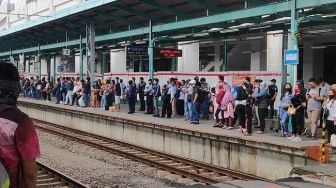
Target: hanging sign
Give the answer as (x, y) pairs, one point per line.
(291, 57)
(138, 50)
(168, 52)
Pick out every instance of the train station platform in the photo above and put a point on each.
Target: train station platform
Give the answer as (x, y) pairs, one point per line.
(257, 154)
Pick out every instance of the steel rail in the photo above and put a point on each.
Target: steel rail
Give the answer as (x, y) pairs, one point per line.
(50, 177)
(196, 168)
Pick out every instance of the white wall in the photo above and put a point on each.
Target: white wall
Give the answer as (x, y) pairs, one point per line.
(274, 51)
(189, 62)
(118, 60)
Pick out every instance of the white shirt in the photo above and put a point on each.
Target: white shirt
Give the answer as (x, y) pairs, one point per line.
(331, 106)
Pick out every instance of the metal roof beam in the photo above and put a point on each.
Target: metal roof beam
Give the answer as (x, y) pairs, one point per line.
(135, 12)
(167, 9)
(196, 22)
(207, 5)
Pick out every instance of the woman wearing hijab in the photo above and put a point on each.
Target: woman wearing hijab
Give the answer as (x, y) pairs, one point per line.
(227, 106)
(219, 88)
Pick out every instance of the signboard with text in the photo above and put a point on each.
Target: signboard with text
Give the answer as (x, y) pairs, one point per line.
(168, 52)
(137, 50)
(291, 57)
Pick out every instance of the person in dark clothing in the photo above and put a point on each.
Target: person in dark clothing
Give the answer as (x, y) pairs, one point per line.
(247, 126)
(58, 91)
(262, 101)
(117, 96)
(141, 90)
(166, 105)
(272, 94)
(87, 92)
(240, 104)
(149, 97)
(131, 97)
(299, 102)
(156, 89)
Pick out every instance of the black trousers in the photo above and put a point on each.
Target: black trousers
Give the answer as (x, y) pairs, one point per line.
(262, 116)
(150, 104)
(217, 113)
(131, 104)
(248, 119)
(180, 107)
(240, 114)
(271, 105)
(142, 102)
(330, 128)
(298, 122)
(166, 107)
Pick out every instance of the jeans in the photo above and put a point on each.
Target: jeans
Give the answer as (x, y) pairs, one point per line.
(262, 112)
(205, 108)
(103, 102)
(131, 104)
(68, 97)
(195, 112)
(187, 110)
(150, 104)
(33, 92)
(284, 120)
(86, 99)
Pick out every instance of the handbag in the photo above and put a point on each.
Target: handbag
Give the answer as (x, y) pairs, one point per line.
(325, 113)
(292, 109)
(333, 141)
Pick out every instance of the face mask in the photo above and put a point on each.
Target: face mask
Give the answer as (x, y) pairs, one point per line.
(244, 87)
(154, 82)
(288, 89)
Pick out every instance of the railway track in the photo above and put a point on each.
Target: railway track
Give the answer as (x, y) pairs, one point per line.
(187, 168)
(48, 177)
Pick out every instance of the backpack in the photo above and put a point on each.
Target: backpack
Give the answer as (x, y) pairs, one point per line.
(4, 178)
(202, 95)
(241, 94)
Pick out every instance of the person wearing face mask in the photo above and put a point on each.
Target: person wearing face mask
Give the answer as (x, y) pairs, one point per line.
(285, 101)
(329, 107)
(149, 97)
(156, 89)
(299, 102)
(240, 105)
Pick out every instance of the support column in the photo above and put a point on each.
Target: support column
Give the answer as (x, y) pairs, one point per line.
(81, 58)
(141, 64)
(189, 62)
(224, 66)
(118, 58)
(274, 51)
(54, 69)
(103, 65)
(39, 62)
(293, 43)
(174, 64)
(92, 48)
(151, 51)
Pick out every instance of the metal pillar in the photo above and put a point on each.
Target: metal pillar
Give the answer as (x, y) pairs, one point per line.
(293, 43)
(284, 66)
(151, 51)
(174, 63)
(39, 62)
(224, 66)
(103, 65)
(140, 63)
(81, 57)
(90, 37)
(54, 76)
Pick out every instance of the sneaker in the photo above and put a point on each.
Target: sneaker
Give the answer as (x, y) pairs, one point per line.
(304, 131)
(229, 128)
(291, 138)
(297, 139)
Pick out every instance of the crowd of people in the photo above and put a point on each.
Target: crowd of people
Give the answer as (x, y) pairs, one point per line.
(194, 99)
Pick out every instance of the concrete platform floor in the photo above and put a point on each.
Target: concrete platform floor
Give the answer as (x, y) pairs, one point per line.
(205, 126)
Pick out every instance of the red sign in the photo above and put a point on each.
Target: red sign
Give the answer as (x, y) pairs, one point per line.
(168, 52)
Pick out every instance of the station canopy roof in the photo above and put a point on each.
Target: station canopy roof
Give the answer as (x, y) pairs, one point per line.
(122, 21)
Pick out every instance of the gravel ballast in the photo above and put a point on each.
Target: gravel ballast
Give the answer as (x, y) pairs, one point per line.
(97, 168)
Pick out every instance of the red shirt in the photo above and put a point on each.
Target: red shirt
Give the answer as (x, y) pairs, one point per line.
(18, 142)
